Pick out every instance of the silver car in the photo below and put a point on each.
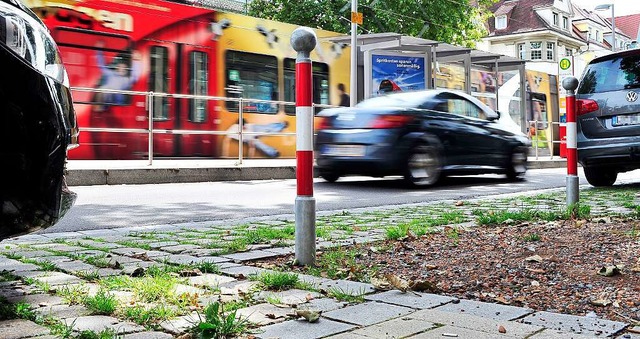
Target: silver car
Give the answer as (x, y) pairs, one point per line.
(608, 117)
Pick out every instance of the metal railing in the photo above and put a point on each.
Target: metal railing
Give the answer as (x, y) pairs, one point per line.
(151, 131)
(551, 140)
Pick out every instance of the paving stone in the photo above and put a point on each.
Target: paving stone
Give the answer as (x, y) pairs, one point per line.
(28, 238)
(211, 259)
(128, 251)
(476, 323)
(179, 248)
(147, 335)
(63, 248)
(19, 328)
(62, 235)
(181, 289)
(457, 332)
(348, 335)
(76, 266)
(395, 328)
(289, 297)
(242, 271)
(257, 314)
(12, 293)
(487, 310)
(64, 311)
(180, 324)
(92, 253)
(37, 300)
(413, 300)
(554, 334)
(99, 233)
(323, 304)
(97, 244)
(346, 286)
(238, 287)
(209, 280)
(31, 254)
(180, 259)
(302, 329)
(19, 267)
(368, 313)
(52, 259)
(58, 278)
(160, 244)
(99, 323)
(282, 250)
(120, 259)
(575, 324)
(251, 255)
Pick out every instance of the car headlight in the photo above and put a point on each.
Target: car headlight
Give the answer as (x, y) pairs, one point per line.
(28, 38)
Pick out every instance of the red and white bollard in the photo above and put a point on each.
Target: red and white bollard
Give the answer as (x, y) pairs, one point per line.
(570, 84)
(303, 41)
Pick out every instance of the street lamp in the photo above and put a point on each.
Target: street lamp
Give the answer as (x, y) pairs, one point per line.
(613, 22)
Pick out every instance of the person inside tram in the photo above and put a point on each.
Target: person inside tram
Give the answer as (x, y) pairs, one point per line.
(117, 76)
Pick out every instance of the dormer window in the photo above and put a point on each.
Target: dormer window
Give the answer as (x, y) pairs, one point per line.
(565, 22)
(501, 22)
(556, 21)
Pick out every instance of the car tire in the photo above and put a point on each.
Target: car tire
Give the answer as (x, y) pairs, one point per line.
(598, 176)
(517, 166)
(424, 166)
(329, 176)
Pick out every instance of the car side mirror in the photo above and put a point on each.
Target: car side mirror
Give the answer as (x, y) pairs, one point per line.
(494, 117)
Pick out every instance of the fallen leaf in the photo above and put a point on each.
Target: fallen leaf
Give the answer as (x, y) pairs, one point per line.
(422, 285)
(380, 284)
(502, 300)
(501, 329)
(534, 258)
(459, 203)
(600, 302)
(611, 270)
(309, 315)
(397, 282)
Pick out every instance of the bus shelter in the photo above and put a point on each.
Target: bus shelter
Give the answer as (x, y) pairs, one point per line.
(390, 61)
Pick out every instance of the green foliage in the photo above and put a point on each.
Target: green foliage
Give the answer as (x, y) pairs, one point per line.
(531, 237)
(102, 303)
(216, 324)
(20, 310)
(276, 280)
(458, 22)
(149, 316)
(341, 295)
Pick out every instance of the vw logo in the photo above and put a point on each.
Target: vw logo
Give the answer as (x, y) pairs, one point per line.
(632, 96)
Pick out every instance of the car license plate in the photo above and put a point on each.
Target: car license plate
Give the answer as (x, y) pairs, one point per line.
(343, 150)
(623, 120)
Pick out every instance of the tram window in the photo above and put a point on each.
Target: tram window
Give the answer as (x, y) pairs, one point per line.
(252, 76)
(198, 85)
(159, 81)
(320, 84)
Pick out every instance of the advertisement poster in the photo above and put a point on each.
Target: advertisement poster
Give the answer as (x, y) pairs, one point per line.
(392, 73)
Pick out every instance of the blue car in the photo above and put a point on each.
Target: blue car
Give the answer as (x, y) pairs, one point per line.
(37, 124)
(422, 135)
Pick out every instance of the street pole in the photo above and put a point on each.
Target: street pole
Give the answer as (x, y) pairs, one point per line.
(303, 41)
(613, 29)
(353, 79)
(570, 84)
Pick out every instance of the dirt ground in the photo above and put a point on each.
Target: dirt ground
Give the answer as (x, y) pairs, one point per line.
(566, 266)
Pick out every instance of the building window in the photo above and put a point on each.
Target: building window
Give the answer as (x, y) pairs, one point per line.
(501, 22)
(551, 50)
(598, 36)
(555, 19)
(568, 52)
(522, 54)
(536, 50)
(590, 34)
(565, 22)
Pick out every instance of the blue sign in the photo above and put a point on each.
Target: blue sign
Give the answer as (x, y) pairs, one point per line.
(392, 73)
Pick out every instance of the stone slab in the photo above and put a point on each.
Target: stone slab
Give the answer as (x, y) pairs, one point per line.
(263, 314)
(574, 324)
(147, 335)
(395, 328)
(241, 271)
(176, 249)
(414, 300)
(58, 278)
(301, 329)
(98, 323)
(209, 280)
(457, 332)
(289, 297)
(180, 259)
(251, 255)
(487, 310)
(345, 286)
(323, 305)
(368, 313)
(64, 311)
(486, 325)
(554, 334)
(37, 300)
(180, 324)
(19, 328)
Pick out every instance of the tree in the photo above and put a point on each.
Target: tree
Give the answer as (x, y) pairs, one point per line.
(459, 22)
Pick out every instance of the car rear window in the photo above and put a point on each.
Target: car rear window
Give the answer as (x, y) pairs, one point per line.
(611, 74)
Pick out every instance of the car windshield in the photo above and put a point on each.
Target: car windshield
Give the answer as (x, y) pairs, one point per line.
(407, 99)
(613, 74)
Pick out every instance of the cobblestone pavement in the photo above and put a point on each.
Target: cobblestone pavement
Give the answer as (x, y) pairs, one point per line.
(154, 282)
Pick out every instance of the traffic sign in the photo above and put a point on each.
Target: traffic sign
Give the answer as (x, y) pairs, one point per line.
(565, 63)
(357, 18)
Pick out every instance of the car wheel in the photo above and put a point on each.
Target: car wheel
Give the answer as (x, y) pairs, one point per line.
(329, 176)
(517, 167)
(598, 176)
(423, 166)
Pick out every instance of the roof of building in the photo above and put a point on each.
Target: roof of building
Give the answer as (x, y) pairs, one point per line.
(523, 18)
(629, 25)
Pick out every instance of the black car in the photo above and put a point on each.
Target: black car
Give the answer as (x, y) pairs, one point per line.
(608, 122)
(37, 124)
(421, 135)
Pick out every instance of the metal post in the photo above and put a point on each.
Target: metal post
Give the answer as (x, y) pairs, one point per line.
(570, 84)
(354, 57)
(150, 97)
(240, 129)
(303, 41)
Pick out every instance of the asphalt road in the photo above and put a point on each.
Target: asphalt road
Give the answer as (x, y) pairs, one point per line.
(99, 207)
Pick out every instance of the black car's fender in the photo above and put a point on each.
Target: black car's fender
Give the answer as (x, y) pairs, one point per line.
(410, 140)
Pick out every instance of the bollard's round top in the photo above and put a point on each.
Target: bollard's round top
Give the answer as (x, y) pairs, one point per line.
(303, 39)
(570, 83)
